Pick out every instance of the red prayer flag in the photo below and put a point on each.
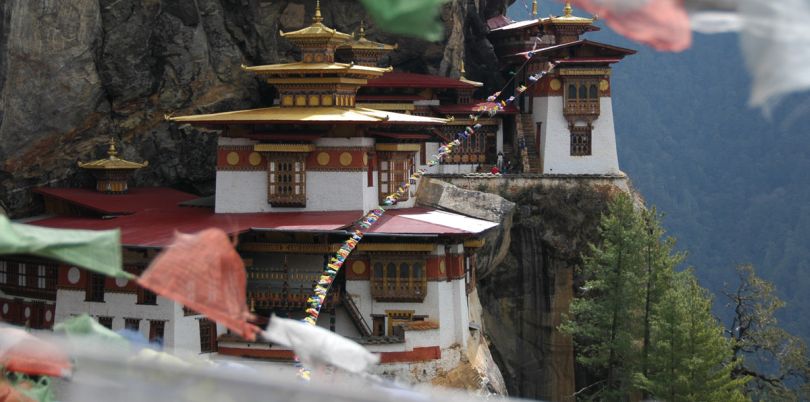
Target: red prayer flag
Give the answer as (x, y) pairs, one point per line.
(9, 394)
(22, 352)
(203, 272)
(662, 24)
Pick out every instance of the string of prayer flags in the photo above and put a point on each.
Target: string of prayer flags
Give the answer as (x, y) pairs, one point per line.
(97, 251)
(21, 352)
(10, 394)
(315, 302)
(417, 18)
(203, 272)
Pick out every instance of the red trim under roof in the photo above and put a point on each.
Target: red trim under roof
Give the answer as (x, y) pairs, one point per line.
(396, 79)
(137, 199)
(474, 108)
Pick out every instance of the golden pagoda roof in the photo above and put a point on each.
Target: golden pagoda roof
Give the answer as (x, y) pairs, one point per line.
(317, 30)
(364, 44)
(112, 162)
(315, 115)
(464, 79)
(568, 17)
(316, 68)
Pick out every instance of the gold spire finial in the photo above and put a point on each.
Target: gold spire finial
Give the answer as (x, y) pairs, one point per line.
(362, 29)
(112, 152)
(534, 8)
(318, 17)
(567, 10)
(462, 69)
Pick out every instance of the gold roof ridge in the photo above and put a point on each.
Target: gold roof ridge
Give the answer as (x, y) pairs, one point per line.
(112, 162)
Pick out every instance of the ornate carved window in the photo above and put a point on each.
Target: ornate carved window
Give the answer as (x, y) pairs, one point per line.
(107, 322)
(582, 97)
(132, 324)
(3, 272)
(399, 279)
(395, 168)
(580, 140)
(286, 180)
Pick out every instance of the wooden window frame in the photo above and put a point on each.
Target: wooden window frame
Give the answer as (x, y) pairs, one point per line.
(157, 331)
(208, 335)
(146, 297)
(394, 168)
(287, 179)
(104, 320)
(389, 282)
(95, 288)
(128, 324)
(581, 140)
(3, 272)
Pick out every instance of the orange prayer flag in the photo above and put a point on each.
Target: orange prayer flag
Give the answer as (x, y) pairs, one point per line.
(662, 24)
(9, 394)
(24, 353)
(203, 272)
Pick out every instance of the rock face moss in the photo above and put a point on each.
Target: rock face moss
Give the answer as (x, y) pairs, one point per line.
(526, 295)
(74, 73)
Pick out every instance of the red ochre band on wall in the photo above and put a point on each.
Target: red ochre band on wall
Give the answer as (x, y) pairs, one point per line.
(413, 356)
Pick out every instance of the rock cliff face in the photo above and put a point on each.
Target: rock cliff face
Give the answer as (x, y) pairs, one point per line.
(525, 294)
(74, 73)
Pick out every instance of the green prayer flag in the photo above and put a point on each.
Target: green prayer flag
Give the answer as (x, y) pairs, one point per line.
(39, 391)
(85, 326)
(98, 251)
(418, 18)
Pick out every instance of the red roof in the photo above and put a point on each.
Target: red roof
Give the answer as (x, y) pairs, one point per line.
(155, 228)
(615, 50)
(398, 79)
(474, 108)
(498, 21)
(137, 199)
(154, 224)
(427, 221)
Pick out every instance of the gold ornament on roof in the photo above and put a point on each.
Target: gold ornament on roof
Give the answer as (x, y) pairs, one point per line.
(569, 18)
(534, 8)
(463, 78)
(112, 162)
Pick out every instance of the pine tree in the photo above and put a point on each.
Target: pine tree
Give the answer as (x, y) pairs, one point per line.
(605, 321)
(689, 356)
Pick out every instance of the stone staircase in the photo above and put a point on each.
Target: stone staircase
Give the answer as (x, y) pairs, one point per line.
(357, 318)
(526, 131)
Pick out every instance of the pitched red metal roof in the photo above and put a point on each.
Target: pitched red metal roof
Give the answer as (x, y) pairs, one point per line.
(617, 50)
(156, 228)
(498, 22)
(428, 221)
(397, 79)
(137, 199)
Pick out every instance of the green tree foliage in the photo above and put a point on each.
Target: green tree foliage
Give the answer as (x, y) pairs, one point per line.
(776, 361)
(641, 328)
(689, 358)
(605, 322)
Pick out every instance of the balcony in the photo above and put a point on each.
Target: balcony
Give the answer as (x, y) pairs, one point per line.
(292, 299)
(582, 107)
(402, 290)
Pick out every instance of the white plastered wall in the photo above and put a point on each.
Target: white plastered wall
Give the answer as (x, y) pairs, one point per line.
(246, 191)
(556, 140)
